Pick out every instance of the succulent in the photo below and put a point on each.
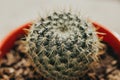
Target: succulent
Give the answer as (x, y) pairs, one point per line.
(63, 45)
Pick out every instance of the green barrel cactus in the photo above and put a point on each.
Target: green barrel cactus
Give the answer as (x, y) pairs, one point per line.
(63, 45)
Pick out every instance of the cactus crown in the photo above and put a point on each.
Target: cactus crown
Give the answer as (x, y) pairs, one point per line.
(62, 45)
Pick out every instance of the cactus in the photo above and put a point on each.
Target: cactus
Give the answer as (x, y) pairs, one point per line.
(63, 45)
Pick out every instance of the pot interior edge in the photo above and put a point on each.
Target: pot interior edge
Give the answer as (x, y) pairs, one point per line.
(8, 42)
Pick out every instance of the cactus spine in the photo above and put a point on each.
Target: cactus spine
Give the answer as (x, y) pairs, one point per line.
(63, 45)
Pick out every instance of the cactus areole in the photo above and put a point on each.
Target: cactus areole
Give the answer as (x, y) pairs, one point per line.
(62, 45)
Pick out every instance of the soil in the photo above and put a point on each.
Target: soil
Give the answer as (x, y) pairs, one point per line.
(15, 65)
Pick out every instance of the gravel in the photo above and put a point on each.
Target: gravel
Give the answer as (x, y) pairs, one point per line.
(16, 65)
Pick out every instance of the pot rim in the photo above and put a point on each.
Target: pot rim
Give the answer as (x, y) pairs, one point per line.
(8, 41)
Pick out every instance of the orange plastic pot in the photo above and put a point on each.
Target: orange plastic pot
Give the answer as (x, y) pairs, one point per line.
(8, 42)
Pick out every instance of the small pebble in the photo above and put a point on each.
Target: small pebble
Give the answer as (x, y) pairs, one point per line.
(114, 62)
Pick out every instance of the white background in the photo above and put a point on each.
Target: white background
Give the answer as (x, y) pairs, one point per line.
(16, 12)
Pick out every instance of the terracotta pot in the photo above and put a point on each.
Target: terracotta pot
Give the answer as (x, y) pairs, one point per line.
(8, 42)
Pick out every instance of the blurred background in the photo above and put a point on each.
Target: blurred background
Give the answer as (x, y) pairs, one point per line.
(13, 13)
